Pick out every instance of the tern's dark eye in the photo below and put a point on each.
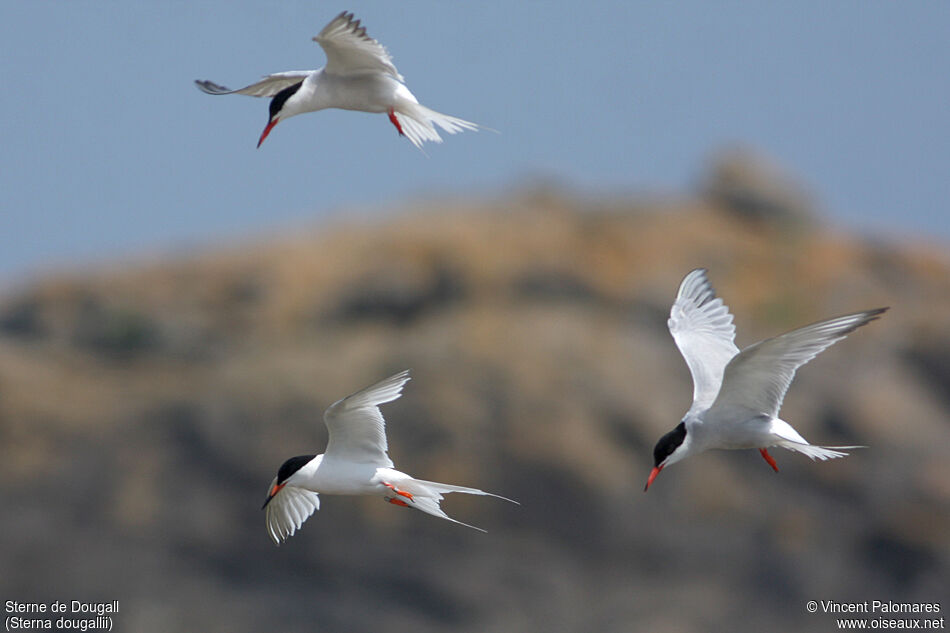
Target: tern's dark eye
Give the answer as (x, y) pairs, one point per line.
(669, 443)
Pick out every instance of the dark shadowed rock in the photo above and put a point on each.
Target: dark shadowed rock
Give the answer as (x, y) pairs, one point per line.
(750, 186)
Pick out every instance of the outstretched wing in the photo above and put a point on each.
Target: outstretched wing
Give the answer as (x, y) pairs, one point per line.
(266, 87)
(351, 51)
(288, 509)
(756, 380)
(356, 425)
(703, 330)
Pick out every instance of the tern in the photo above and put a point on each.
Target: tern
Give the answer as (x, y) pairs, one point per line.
(355, 463)
(359, 75)
(737, 395)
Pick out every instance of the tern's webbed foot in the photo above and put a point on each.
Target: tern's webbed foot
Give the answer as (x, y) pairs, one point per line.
(402, 493)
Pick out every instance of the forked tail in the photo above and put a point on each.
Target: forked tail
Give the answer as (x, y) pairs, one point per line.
(418, 124)
(426, 496)
(818, 452)
(789, 438)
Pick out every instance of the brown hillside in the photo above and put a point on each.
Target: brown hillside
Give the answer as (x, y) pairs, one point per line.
(145, 408)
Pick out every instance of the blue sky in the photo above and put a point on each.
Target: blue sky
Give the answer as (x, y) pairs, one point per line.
(108, 149)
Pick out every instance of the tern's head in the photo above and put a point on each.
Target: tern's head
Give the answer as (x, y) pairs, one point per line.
(278, 109)
(670, 449)
(285, 473)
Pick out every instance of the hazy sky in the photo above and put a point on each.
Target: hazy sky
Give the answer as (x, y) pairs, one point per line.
(108, 147)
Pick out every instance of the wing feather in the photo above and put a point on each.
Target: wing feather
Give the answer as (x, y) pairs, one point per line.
(702, 327)
(351, 51)
(757, 379)
(288, 510)
(266, 87)
(356, 425)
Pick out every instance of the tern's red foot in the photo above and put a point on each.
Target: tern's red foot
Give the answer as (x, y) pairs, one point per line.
(395, 121)
(397, 502)
(398, 492)
(768, 458)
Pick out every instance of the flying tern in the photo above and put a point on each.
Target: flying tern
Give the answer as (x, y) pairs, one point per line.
(359, 75)
(737, 395)
(356, 462)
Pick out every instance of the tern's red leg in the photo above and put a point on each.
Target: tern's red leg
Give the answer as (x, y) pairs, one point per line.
(392, 117)
(768, 458)
(398, 492)
(397, 502)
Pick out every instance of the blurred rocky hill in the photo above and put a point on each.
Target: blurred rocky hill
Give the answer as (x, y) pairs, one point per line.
(145, 407)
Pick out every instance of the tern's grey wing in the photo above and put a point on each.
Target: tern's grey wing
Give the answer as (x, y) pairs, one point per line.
(351, 51)
(266, 87)
(703, 330)
(287, 511)
(756, 380)
(356, 425)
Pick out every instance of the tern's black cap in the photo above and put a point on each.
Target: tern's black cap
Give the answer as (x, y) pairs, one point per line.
(291, 466)
(277, 103)
(669, 443)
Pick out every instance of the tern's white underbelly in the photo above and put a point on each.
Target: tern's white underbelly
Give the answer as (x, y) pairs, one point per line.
(345, 478)
(365, 93)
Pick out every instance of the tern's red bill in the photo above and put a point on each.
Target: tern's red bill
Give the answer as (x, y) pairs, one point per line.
(270, 126)
(653, 474)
